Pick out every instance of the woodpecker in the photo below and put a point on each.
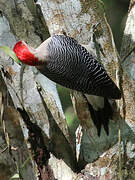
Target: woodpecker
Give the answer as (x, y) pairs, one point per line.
(63, 60)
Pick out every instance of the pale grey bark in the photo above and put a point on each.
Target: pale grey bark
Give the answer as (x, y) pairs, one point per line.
(25, 20)
(17, 22)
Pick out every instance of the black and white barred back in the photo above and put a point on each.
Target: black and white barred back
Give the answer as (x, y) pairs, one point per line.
(72, 66)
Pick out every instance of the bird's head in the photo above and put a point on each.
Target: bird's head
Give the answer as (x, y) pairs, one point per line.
(25, 54)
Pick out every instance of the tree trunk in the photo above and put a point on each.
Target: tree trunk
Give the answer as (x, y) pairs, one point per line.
(48, 151)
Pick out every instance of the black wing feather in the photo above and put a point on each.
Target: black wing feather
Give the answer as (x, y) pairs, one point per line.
(72, 66)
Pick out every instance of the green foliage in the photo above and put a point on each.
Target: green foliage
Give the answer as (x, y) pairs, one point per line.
(64, 94)
(101, 5)
(15, 176)
(19, 170)
(116, 12)
(71, 118)
(10, 53)
(72, 121)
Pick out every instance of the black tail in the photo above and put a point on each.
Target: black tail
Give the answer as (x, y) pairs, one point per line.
(102, 116)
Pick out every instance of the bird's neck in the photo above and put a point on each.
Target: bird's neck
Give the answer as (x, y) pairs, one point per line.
(42, 52)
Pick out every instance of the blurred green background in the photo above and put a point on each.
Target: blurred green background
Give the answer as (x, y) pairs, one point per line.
(116, 12)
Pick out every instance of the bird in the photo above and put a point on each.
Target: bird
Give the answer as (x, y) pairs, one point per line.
(66, 62)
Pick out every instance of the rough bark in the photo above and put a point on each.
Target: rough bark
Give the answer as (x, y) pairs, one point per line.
(41, 105)
(41, 116)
